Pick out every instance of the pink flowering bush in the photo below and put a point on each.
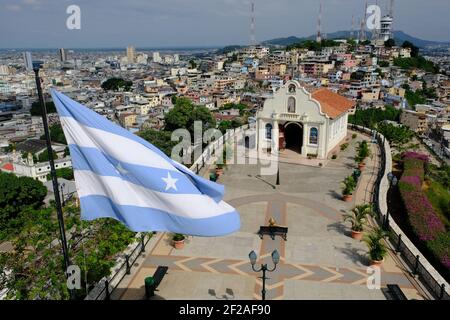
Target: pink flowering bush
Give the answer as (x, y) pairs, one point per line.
(415, 155)
(422, 217)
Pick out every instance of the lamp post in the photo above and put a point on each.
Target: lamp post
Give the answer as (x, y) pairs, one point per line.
(278, 174)
(62, 193)
(36, 67)
(392, 183)
(264, 268)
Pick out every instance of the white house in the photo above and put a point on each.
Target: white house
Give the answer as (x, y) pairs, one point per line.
(311, 124)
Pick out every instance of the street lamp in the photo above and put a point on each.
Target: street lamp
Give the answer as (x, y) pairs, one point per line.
(278, 174)
(275, 259)
(62, 194)
(393, 181)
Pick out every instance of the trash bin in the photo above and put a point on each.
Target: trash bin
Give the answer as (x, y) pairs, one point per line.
(213, 177)
(149, 287)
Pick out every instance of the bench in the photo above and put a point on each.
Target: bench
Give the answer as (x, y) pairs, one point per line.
(273, 231)
(157, 278)
(396, 292)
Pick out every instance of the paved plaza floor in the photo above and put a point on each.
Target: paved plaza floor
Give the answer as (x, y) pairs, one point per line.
(319, 260)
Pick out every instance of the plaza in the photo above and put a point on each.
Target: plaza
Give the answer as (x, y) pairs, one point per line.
(319, 260)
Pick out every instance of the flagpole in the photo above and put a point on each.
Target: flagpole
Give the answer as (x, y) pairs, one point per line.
(36, 68)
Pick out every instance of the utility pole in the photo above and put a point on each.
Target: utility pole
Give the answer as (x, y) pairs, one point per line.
(319, 25)
(252, 26)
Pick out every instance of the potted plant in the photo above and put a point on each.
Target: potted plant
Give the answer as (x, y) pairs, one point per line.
(363, 152)
(360, 163)
(348, 188)
(376, 245)
(219, 169)
(178, 240)
(358, 219)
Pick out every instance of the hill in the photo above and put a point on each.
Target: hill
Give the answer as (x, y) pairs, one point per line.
(399, 36)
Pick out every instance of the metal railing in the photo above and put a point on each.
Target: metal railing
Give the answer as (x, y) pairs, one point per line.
(416, 262)
(106, 286)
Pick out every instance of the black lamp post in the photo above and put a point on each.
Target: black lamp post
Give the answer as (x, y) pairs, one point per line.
(36, 67)
(275, 258)
(278, 174)
(62, 194)
(393, 181)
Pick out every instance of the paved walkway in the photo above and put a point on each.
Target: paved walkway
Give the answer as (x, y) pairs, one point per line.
(319, 260)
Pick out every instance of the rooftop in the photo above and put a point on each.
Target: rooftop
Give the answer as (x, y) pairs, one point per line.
(332, 103)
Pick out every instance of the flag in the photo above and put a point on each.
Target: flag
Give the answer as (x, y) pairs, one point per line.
(121, 176)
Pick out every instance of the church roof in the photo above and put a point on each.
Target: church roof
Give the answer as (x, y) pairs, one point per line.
(332, 103)
(8, 167)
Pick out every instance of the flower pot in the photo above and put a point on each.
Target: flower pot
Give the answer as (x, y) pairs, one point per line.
(361, 166)
(357, 235)
(178, 244)
(376, 263)
(219, 171)
(347, 198)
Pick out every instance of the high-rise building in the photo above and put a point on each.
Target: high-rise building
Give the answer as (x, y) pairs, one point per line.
(156, 57)
(28, 61)
(386, 28)
(131, 53)
(62, 55)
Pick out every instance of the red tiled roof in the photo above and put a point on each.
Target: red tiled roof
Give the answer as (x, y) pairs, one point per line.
(222, 117)
(332, 103)
(8, 167)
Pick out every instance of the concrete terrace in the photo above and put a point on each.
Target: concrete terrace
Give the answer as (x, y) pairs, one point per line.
(319, 260)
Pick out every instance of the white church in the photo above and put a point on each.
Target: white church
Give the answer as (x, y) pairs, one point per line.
(310, 124)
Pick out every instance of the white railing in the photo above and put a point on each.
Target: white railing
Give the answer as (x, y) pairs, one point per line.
(208, 153)
(418, 263)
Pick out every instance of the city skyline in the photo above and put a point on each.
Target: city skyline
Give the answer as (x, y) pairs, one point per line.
(164, 24)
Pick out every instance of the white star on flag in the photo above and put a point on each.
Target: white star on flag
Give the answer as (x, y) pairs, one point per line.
(170, 182)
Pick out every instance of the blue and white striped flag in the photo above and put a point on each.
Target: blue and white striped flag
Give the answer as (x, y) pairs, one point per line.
(122, 176)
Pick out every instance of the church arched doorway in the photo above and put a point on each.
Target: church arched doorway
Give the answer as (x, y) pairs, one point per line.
(293, 133)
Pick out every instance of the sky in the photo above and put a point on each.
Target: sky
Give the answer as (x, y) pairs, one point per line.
(194, 23)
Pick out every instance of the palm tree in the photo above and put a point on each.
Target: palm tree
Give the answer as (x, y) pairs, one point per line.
(377, 248)
(358, 219)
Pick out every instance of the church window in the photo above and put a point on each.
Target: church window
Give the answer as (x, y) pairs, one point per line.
(269, 131)
(313, 136)
(291, 105)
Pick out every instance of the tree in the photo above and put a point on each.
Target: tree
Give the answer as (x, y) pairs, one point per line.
(17, 194)
(43, 157)
(185, 113)
(117, 84)
(416, 62)
(56, 134)
(160, 139)
(65, 173)
(383, 64)
(370, 117)
(414, 97)
(192, 64)
(389, 43)
(396, 135)
(36, 109)
(414, 49)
